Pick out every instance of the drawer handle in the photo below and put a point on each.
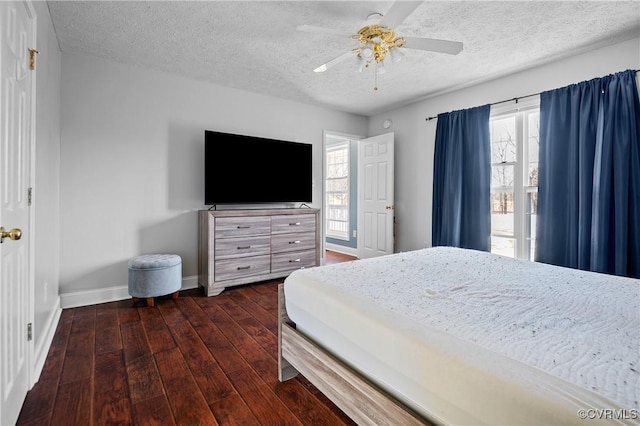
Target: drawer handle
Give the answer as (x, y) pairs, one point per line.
(295, 224)
(244, 226)
(240, 268)
(294, 242)
(243, 247)
(294, 260)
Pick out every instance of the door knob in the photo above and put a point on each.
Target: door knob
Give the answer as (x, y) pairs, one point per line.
(389, 207)
(14, 234)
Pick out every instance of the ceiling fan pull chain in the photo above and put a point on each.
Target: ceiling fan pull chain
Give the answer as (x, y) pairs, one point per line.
(375, 87)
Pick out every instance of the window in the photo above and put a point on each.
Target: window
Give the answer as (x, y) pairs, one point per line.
(337, 190)
(514, 181)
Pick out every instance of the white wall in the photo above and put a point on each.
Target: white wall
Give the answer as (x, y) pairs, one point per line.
(131, 161)
(415, 137)
(46, 187)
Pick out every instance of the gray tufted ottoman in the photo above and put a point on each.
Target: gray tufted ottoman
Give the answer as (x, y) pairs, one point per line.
(153, 275)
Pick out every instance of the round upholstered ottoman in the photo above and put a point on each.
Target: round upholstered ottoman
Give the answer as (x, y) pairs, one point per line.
(153, 275)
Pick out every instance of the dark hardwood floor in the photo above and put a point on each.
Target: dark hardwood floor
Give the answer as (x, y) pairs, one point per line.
(335, 257)
(195, 360)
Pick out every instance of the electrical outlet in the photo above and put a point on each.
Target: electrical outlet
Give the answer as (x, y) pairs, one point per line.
(354, 233)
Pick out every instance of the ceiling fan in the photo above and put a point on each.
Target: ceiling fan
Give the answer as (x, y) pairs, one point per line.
(379, 43)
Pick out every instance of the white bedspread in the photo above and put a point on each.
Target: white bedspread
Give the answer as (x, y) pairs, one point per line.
(464, 336)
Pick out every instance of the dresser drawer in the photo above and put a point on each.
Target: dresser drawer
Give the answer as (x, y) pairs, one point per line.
(293, 242)
(293, 223)
(229, 248)
(283, 262)
(242, 226)
(242, 267)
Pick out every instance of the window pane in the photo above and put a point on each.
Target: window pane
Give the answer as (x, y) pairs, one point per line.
(335, 171)
(503, 246)
(532, 202)
(532, 175)
(534, 147)
(334, 185)
(337, 199)
(337, 213)
(532, 250)
(502, 176)
(534, 135)
(337, 190)
(502, 213)
(503, 140)
(530, 223)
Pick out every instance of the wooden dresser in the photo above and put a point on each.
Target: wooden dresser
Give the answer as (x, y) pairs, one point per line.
(243, 246)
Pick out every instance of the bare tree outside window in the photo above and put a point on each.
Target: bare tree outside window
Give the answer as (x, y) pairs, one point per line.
(504, 151)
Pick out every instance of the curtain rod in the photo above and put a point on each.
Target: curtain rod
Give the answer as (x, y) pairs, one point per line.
(506, 100)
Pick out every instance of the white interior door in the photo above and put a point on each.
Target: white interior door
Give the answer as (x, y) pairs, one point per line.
(17, 33)
(375, 196)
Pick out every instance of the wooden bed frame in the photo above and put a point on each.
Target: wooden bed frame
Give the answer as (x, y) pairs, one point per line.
(363, 401)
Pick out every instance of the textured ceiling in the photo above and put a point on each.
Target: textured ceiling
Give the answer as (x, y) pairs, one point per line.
(254, 45)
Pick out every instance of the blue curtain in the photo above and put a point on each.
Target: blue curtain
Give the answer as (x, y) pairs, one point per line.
(462, 180)
(589, 176)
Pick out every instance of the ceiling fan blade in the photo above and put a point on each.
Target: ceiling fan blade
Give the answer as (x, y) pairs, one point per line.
(398, 13)
(331, 63)
(433, 45)
(322, 30)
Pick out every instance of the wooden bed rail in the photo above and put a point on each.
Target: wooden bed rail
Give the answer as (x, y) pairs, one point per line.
(360, 399)
(285, 370)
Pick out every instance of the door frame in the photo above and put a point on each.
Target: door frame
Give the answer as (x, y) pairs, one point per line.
(32, 210)
(352, 137)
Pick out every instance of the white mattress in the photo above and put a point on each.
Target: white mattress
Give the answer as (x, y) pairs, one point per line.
(467, 337)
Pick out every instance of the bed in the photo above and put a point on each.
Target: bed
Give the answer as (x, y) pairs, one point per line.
(453, 336)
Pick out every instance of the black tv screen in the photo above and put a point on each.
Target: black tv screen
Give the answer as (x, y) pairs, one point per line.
(243, 169)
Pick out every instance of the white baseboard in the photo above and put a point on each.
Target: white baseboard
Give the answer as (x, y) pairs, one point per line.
(341, 249)
(109, 294)
(42, 350)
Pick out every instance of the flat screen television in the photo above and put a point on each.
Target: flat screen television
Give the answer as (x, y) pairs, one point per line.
(242, 169)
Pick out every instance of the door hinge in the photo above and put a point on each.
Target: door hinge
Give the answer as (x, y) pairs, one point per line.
(29, 195)
(32, 59)
(30, 332)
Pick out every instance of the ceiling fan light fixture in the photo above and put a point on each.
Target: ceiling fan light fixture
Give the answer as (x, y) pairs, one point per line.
(367, 51)
(321, 68)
